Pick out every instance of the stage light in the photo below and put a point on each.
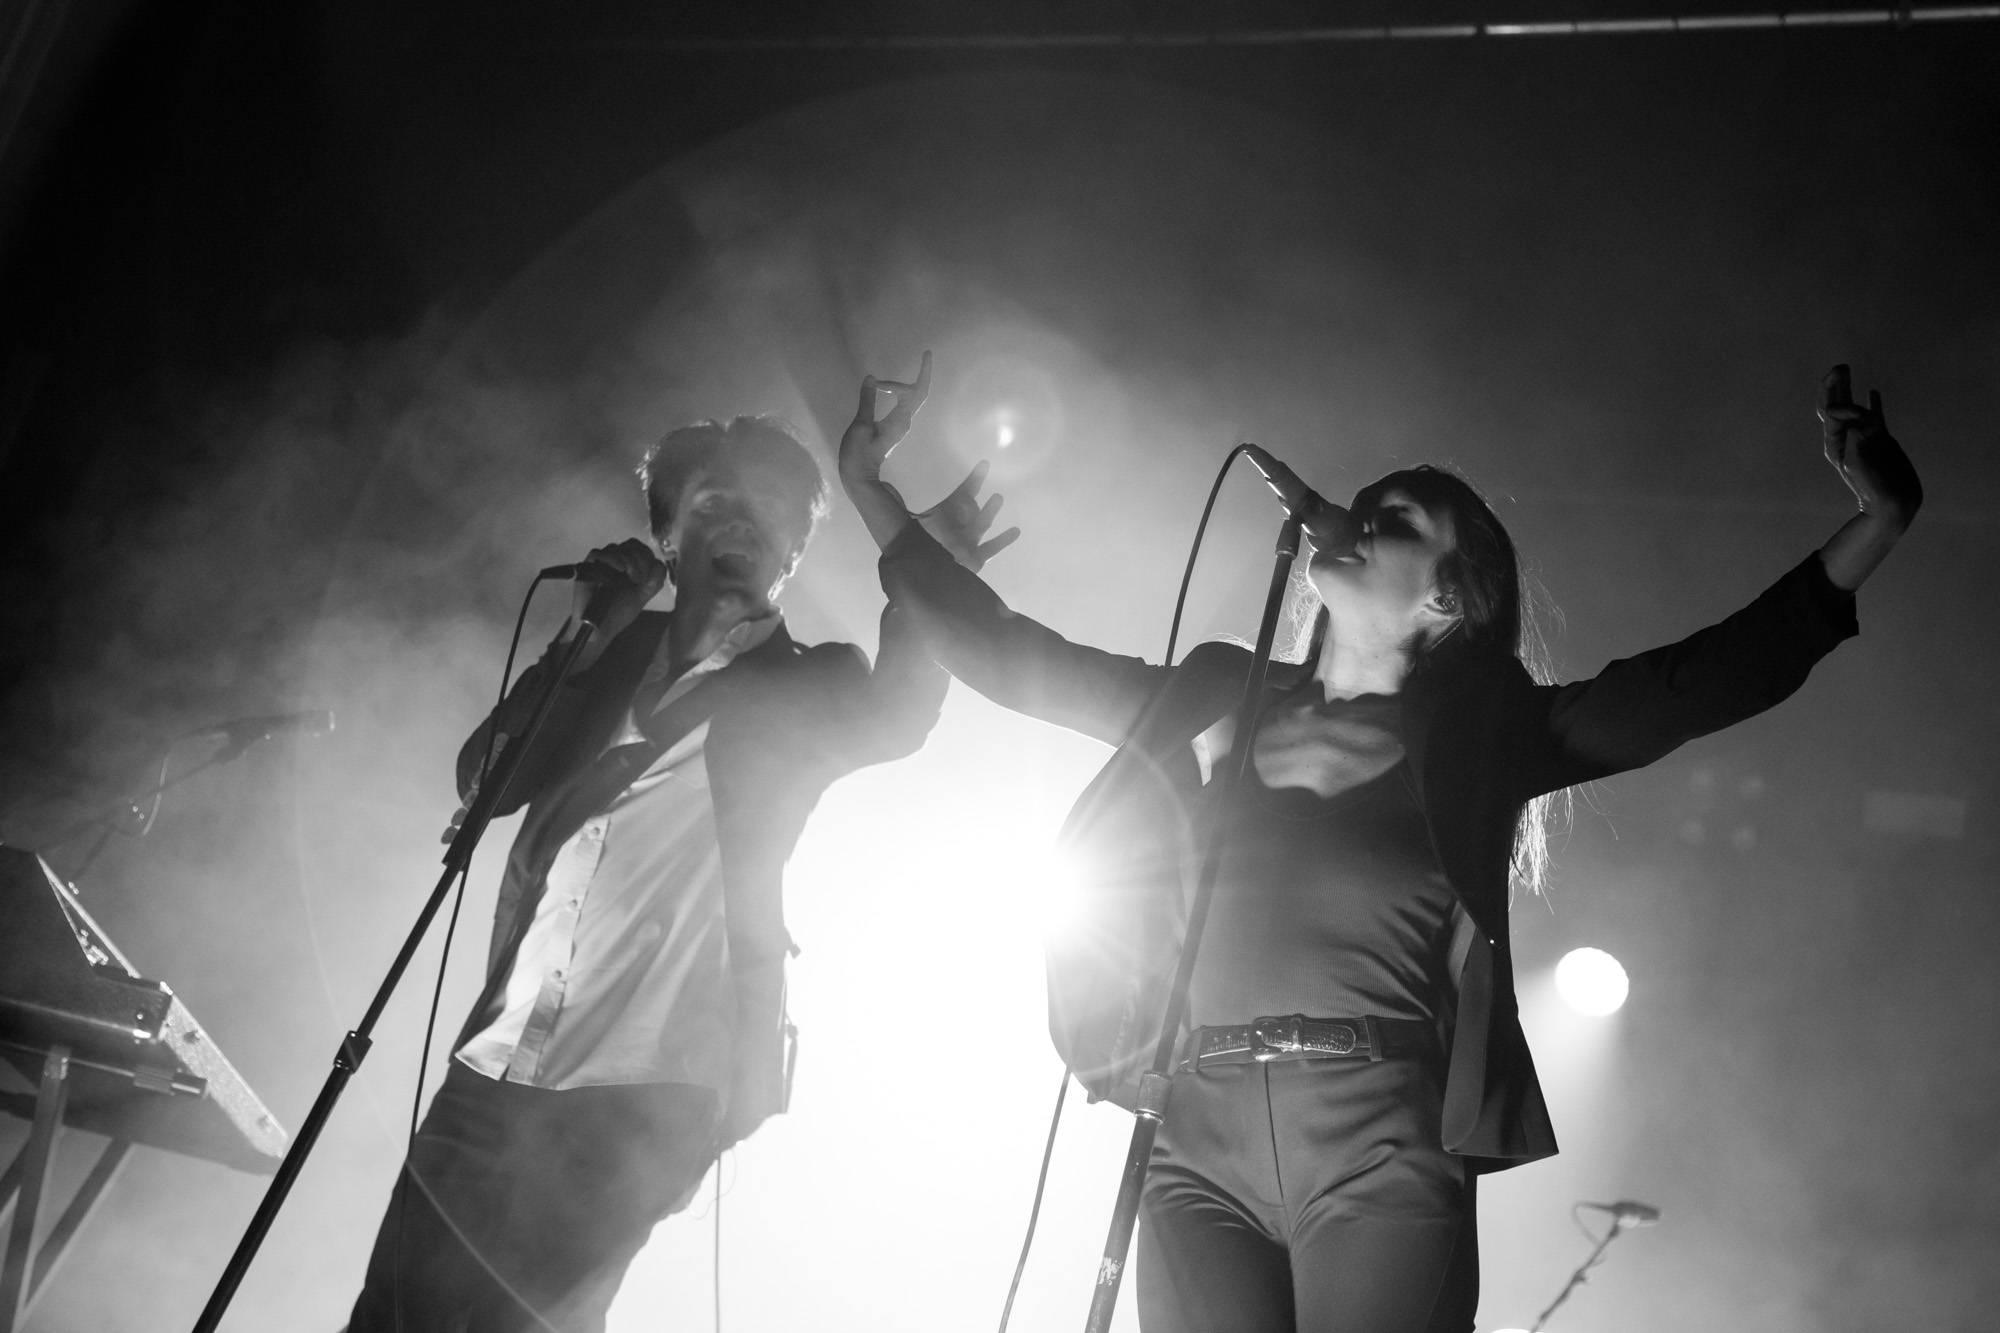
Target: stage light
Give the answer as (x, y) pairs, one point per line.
(1591, 982)
(1003, 424)
(1056, 890)
(1006, 399)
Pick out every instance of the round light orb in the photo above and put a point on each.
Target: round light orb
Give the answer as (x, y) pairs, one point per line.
(1592, 982)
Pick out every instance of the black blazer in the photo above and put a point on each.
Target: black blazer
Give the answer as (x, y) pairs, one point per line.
(785, 721)
(1483, 739)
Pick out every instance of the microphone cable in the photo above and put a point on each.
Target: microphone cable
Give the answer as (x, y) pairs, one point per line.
(458, 897)
(1200, 534)
(444, 955)
(1062, 1090)
(1035, 1209)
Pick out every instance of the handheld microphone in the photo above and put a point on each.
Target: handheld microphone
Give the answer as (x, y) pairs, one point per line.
(313, 722)
(1629, 1212)
(1329, 527)
(584, 571)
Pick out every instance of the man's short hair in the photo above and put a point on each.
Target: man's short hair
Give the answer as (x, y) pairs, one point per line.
(764, 443)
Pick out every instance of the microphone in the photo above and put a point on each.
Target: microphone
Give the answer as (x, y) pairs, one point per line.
(585, 571)
(608, 585)
(1629, 1212)
(313, 722)
(1330, 528)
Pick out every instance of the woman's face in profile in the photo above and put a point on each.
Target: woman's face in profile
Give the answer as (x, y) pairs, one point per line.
(1392, 572)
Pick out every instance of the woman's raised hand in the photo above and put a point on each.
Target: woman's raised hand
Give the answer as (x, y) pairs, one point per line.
(1857, 442)
(865, 445)
(960, 521)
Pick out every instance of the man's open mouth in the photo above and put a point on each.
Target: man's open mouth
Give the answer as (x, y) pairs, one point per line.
(733, 565)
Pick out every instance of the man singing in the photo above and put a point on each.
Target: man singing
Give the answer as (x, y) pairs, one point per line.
(633, 1021)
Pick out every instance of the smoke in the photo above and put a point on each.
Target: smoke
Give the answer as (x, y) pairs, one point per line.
(1141, 278)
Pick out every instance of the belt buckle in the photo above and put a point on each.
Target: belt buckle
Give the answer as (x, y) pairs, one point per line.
(1273, 1037)
(1339, 1039)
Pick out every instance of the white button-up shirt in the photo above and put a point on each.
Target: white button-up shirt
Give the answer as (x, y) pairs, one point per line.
(623, 975)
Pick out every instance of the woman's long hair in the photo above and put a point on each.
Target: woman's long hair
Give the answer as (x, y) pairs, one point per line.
(1483, 570)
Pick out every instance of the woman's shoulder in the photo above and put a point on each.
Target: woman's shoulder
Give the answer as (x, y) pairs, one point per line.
(1216, 655)
(1218, 664)
(1476, 679)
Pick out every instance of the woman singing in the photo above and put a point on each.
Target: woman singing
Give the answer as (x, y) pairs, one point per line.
(1355, 1057)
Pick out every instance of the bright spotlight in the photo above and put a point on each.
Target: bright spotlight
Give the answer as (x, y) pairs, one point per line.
(1591, 982)
(1004, 436)
(1056, 890)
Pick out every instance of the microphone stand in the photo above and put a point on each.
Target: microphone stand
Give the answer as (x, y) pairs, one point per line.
(1577, 1278)
(126, 808)
(354, 1046)
(1153, 1085)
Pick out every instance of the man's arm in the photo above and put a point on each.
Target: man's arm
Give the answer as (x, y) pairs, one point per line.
(631, 575)
(481, 752)
(861, 716)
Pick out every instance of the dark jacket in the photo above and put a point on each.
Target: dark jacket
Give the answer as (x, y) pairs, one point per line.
(1482, 737)
(785, 721)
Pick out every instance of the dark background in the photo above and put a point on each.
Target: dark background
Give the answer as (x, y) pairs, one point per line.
(325, 325)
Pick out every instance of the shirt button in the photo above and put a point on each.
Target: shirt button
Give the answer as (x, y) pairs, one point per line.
(557, 974)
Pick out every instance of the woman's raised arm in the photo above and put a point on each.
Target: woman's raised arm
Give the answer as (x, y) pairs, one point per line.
(1886, 488)
(1006, 656)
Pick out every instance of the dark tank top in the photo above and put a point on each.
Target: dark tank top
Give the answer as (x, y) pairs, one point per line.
(1332, 907)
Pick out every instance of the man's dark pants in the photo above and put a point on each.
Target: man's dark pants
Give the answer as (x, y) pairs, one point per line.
(519, 1208)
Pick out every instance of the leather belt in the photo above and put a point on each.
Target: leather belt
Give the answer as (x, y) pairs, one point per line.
(1296, 1037)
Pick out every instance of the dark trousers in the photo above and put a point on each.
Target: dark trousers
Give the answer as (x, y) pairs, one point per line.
(1309, 1196)
(519, 1208)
